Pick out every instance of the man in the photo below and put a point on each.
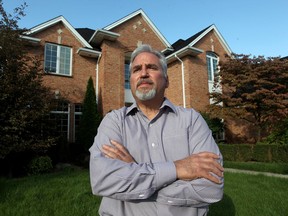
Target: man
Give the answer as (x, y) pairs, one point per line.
(154, 158)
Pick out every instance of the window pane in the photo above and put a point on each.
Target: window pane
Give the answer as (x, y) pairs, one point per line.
(212, 62)
(127, 76)
(57, 59)
(50, 58)
(64, 67)
(209, 69)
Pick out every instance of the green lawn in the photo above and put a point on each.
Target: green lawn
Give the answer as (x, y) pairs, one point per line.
(68, 193)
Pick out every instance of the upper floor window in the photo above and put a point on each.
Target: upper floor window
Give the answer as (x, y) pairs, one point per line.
(212, 63)
(58, 59)
(127, 75)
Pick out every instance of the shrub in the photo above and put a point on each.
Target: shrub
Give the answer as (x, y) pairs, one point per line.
(39, 165)
(259, 152)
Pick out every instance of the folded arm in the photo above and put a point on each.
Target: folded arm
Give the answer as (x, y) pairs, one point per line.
(122, 177)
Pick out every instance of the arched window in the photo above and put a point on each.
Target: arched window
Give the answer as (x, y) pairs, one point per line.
(212, 63)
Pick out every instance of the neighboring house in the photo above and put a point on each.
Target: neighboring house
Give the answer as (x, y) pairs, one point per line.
(70, 56)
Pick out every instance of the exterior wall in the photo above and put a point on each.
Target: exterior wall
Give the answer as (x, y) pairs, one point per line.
(71, 88)
(111, 79)
(111, 90)
(196, 75)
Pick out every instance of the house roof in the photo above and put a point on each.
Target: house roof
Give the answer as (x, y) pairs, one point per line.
(146, 18)
(86, 33)
(184, 47)
(54, 21)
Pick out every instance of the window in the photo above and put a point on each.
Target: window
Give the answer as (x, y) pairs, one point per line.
(58, 59)
(127, 76)
(77, 118)
(212, 63)
(60, 115)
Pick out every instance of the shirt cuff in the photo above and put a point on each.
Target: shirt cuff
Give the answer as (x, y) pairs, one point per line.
(165, 173)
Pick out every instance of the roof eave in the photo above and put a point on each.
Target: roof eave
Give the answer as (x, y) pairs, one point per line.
(186, 51)
(145, 17)
(88, 53)
(52, 22)
(32, 40)
(101, 34)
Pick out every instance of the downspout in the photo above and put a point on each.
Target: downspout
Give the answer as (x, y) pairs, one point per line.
(183, 81)
(97, 77)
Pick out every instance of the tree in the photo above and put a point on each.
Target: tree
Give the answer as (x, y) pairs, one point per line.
(25, 102)
(253, 89)
(90, 118)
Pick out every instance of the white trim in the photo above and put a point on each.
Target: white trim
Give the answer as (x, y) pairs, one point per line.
(57, 72)
(31, 39)
(221, 39)
(51, 22)
(184, 51)
(88, 52)
(146, 18)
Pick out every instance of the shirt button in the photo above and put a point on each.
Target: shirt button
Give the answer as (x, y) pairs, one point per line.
(153, 145)
(141, 195)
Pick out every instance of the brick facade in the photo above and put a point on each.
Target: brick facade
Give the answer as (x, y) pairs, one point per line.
(107, 70)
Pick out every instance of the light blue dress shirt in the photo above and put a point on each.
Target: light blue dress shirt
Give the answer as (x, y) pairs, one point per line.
(150, 187)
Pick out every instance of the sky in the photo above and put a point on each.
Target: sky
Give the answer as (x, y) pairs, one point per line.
(252, 27)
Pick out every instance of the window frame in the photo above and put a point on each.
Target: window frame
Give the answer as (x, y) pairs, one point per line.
(61, 114)
(212, 70)
(59, 59)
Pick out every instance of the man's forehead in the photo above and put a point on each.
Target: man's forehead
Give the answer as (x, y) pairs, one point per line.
(150, 58)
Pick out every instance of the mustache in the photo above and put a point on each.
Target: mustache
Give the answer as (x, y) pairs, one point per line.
(144, 80)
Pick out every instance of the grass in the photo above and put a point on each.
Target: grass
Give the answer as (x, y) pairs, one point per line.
(258, 166)
(68, 193)
(252, 195)
(57, 194)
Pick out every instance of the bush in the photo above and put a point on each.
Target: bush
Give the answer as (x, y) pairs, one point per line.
(259, 152)
(39, 165)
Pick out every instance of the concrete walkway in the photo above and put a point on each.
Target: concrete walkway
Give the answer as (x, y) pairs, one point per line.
(255, 173)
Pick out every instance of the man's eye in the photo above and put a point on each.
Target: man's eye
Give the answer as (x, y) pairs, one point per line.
(136, 69)
(153, 67)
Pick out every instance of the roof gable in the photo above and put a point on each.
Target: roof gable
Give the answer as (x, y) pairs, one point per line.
(184, 47)
(146, 18)
(197, 37)
(52, 22)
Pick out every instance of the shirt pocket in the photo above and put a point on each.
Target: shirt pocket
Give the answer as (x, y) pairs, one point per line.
(176, 144)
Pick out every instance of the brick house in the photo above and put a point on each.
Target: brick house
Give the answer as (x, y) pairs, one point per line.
(70, 56)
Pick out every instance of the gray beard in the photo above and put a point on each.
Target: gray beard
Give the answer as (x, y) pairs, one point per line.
(144, 96)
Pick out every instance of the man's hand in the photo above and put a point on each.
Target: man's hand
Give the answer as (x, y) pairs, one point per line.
(201, 165)
(117, 151)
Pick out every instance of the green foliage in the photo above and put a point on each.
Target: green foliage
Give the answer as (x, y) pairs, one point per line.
(279, 133)
(68, 192)
(279, 168)
(253, 89)
(40, 165)
(63, 193)
(215, 124)
(90, 118)
(25, 102)
(259, 153)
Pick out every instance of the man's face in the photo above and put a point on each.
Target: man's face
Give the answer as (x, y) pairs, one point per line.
(147, 79)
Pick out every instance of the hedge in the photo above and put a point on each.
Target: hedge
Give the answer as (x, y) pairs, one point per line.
(259, 153)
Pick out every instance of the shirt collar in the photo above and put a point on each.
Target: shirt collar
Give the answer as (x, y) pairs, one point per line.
(166, 103)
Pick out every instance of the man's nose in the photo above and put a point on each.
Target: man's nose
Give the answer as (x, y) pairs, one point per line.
(144, 72)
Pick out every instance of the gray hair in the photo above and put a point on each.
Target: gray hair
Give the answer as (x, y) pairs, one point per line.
(148, 48)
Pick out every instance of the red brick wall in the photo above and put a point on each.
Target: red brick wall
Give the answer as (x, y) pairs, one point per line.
(71, 88)
(111, 70)
(196, 76)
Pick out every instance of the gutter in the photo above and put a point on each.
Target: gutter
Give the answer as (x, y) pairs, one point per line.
(97, 77)
(183, 81)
